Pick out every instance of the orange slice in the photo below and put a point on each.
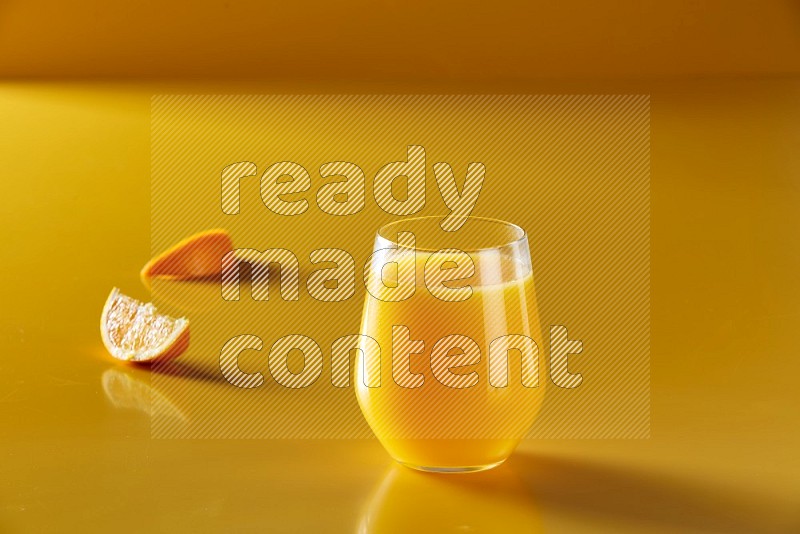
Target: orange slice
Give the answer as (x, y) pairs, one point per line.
(135, 332)
(196, 257)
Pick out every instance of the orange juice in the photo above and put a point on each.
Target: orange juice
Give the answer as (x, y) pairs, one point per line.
(440, 426)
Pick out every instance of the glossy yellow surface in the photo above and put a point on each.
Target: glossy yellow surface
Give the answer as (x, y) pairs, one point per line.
(74, 431)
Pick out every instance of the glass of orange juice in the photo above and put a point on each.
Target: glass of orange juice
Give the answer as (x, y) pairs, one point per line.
(448, 368)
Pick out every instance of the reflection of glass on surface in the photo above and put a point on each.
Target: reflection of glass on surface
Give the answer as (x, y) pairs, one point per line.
(489, 501)
(426, 423)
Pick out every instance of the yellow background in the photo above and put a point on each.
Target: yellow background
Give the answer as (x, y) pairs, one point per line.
(725, 190)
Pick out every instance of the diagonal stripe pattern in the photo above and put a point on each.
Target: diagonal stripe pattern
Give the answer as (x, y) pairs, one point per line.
(572, 170)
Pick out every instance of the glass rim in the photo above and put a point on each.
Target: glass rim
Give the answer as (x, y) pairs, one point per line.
(521, 237)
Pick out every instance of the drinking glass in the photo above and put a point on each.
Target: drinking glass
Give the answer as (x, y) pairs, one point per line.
(447, 375)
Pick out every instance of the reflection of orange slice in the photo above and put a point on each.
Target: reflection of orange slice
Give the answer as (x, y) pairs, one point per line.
(197, 256)
(135, 331)
(127, 391)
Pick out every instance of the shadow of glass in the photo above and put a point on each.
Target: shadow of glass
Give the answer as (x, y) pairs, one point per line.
(610, 495)
(412, 501)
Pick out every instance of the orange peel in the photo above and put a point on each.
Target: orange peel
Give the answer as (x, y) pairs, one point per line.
(197, 257)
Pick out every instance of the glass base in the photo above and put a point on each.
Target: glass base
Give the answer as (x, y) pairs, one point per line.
(465, 469)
